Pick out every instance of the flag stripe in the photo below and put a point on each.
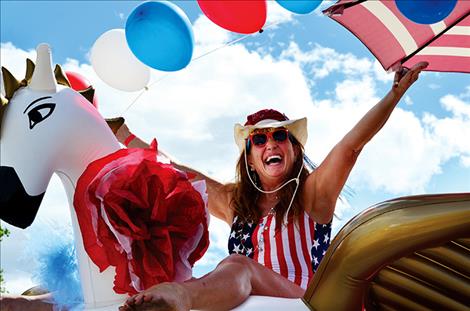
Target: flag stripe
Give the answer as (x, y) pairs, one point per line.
(451, 41)
(294, 256)
(305, 251)
(459, 30)
(436, 63)
(445, 51)
(437, 28)
(267, 243)
(286, 248)
(281, 256)
(304, 264)
(254, 240)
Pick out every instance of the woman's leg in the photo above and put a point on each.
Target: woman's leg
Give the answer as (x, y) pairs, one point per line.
(230, 284)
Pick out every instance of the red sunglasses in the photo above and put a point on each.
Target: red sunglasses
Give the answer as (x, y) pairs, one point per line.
(261, 139)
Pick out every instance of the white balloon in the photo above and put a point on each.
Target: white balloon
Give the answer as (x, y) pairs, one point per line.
(115, 64)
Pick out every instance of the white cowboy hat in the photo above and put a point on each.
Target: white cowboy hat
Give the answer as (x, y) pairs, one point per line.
(269, 118)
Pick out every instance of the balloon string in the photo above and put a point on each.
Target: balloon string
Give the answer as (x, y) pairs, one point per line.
(222, 46)
(233, 42)
(143, 91)
(195, 59)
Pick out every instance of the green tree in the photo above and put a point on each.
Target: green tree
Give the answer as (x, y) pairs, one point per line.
(3, 232)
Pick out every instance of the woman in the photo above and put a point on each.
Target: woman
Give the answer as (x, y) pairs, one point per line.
(273, 208)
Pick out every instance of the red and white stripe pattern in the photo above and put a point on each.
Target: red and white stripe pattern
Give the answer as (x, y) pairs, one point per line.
(286, 251)
(395, 40)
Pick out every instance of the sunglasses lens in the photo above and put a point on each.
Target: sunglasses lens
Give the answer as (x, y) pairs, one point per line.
(259, 139)
(280, 135)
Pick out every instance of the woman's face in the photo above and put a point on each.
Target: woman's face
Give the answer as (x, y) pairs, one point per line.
(272, 155)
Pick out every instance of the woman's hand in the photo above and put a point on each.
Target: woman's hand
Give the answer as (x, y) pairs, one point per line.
(405, 77)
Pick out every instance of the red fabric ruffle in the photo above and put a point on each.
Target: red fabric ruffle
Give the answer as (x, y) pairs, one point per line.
(141, 216)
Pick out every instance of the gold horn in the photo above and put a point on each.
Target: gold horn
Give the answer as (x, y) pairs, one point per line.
(10, 83)
(3, 106)
(29, 70)
(60, 76)
(88, 93)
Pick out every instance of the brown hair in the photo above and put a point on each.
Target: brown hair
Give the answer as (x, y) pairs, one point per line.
(245, 195)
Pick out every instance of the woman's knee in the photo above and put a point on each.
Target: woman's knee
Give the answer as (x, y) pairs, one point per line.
(237, 269)
(241, 264)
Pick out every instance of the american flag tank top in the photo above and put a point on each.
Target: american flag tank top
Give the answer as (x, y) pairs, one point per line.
(294, 251)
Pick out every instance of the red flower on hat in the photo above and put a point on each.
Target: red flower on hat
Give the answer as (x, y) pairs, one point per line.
(265, 114)
(142, 217)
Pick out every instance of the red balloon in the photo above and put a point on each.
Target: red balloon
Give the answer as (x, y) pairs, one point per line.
(80, 83)
(240, 16)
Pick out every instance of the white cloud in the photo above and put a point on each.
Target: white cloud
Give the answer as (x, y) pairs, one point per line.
(407, 99)
(466, 93)
(14, 60)
(457, 106)
(322, 62)
(277, 15)
(380, 73)
(465, 161)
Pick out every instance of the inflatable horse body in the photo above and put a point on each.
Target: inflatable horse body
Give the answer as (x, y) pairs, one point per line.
(48, 128)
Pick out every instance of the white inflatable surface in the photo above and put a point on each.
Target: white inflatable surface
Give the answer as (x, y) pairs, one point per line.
(253, 303)
(257, 303)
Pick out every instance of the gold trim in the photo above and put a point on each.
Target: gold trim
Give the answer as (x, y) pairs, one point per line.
(88, 93)
(60, 76)
(29, 70)
(10, 82)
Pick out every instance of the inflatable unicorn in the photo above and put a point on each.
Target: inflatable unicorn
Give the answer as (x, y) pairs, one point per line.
(46, 128)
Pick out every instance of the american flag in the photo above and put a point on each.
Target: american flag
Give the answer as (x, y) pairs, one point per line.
(395, 40)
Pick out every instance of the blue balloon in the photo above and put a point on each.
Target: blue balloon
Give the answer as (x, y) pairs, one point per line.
(299, 6)
(426, 11)
(160, 35)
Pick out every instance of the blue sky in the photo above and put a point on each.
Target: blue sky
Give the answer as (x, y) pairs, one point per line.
(306, 66)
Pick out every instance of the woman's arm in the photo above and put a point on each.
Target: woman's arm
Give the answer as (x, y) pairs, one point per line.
(326, 182)
(219, 195)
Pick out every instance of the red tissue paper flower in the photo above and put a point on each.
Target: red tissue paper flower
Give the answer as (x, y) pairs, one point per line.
(142, 217)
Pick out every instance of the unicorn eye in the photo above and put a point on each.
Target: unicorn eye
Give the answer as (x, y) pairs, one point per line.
(39, 114)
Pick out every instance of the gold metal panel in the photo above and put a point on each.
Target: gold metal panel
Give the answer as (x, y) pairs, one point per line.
(420, 292)
(383, 234)
(393, 301)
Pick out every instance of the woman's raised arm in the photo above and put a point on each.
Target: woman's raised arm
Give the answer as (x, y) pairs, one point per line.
(324, 185)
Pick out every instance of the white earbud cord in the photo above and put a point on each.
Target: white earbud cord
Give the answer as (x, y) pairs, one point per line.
(297, 181)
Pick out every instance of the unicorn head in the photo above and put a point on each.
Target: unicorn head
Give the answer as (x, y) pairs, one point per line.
(45, 127)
